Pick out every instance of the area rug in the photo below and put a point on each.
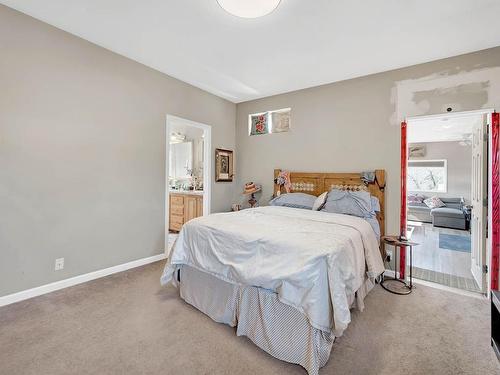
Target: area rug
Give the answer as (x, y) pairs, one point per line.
(454, 242)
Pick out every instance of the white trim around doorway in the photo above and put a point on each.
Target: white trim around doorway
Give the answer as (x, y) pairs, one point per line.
(487, 112)
(450, 115)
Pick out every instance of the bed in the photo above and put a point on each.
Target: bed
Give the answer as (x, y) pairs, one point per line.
(286, 278)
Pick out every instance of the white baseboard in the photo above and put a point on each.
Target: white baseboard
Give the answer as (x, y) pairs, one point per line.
(52, 287)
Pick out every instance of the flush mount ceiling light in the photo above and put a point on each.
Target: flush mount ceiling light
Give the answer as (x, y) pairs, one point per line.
(249, 8)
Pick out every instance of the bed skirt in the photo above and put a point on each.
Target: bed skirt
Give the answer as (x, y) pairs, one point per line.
(277, 328)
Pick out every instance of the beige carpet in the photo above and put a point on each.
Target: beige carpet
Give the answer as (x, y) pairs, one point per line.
(128, 324)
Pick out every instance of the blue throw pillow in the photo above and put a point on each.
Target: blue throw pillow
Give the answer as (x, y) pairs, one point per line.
(294, 200)
(356, 203)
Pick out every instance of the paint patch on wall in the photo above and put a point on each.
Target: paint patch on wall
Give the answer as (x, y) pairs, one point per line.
(464, 91)
(466, 97)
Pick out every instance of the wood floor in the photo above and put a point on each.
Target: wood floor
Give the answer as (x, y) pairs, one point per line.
(443, 266)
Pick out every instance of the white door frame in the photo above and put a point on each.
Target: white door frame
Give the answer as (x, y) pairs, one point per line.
(478, 112)
(450, 114)
(477, 199)
(207, 166)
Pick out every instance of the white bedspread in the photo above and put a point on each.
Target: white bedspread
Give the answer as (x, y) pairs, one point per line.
(312, 260)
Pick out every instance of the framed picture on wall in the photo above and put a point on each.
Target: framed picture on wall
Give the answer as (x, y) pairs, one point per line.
(416, 151)
(223, 165)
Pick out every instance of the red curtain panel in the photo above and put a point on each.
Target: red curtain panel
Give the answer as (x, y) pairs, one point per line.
(495, 196)
(404, 157)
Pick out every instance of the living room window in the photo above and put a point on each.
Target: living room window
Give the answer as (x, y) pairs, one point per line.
(427, 176)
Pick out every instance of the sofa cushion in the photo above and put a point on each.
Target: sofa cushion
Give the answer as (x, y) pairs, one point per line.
(415, 198)
(457, 203)
(434, 202)
(452, 200)
(420, 205)
(447, 212)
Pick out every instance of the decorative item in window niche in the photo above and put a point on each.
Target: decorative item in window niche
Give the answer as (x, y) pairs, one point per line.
(223, 165)
(280, 121)
(416, 151)
(259, 124)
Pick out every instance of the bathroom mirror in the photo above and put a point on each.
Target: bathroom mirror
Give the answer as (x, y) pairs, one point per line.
(181, 160)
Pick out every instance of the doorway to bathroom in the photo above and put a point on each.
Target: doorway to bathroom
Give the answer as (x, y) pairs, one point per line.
(187, 170)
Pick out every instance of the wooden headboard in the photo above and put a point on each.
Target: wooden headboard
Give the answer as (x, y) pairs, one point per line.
(318, 183)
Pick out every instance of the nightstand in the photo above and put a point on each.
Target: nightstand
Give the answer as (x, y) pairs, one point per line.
(394, 284)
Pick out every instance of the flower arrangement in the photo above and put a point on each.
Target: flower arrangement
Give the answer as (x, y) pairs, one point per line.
(281, 180)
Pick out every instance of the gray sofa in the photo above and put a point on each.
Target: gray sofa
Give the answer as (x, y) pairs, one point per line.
(418, 211)
(451, 216)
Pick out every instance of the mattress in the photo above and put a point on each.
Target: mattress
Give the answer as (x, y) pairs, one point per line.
(275, 327)
(312, 260)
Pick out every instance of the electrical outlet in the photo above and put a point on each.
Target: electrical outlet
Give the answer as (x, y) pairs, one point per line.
(388, 256)
(59, 264)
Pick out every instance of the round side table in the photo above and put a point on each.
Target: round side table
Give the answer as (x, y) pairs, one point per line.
(394, 284)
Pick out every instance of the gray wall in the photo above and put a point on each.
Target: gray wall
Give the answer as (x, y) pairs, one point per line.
(353, 125)
(82, 153)
(82, 143)
(459, 162)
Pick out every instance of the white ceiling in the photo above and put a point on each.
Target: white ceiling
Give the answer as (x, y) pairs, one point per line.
(301, 44)
(442, 129)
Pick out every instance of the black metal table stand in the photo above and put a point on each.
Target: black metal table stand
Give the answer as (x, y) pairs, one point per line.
(386, 281)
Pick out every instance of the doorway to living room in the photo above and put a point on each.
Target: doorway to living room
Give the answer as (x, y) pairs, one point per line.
(447, 190)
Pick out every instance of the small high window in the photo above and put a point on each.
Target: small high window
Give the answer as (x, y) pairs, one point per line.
(269, 122)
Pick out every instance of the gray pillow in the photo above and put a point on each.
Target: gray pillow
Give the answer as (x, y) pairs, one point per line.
(434, 202)
(375, 204)
(294, 200)
(356, 203)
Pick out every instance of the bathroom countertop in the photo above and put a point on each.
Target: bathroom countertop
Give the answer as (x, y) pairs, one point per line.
(186, 192)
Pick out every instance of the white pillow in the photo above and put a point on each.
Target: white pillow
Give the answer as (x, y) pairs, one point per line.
(434, 202)
(320, 202)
